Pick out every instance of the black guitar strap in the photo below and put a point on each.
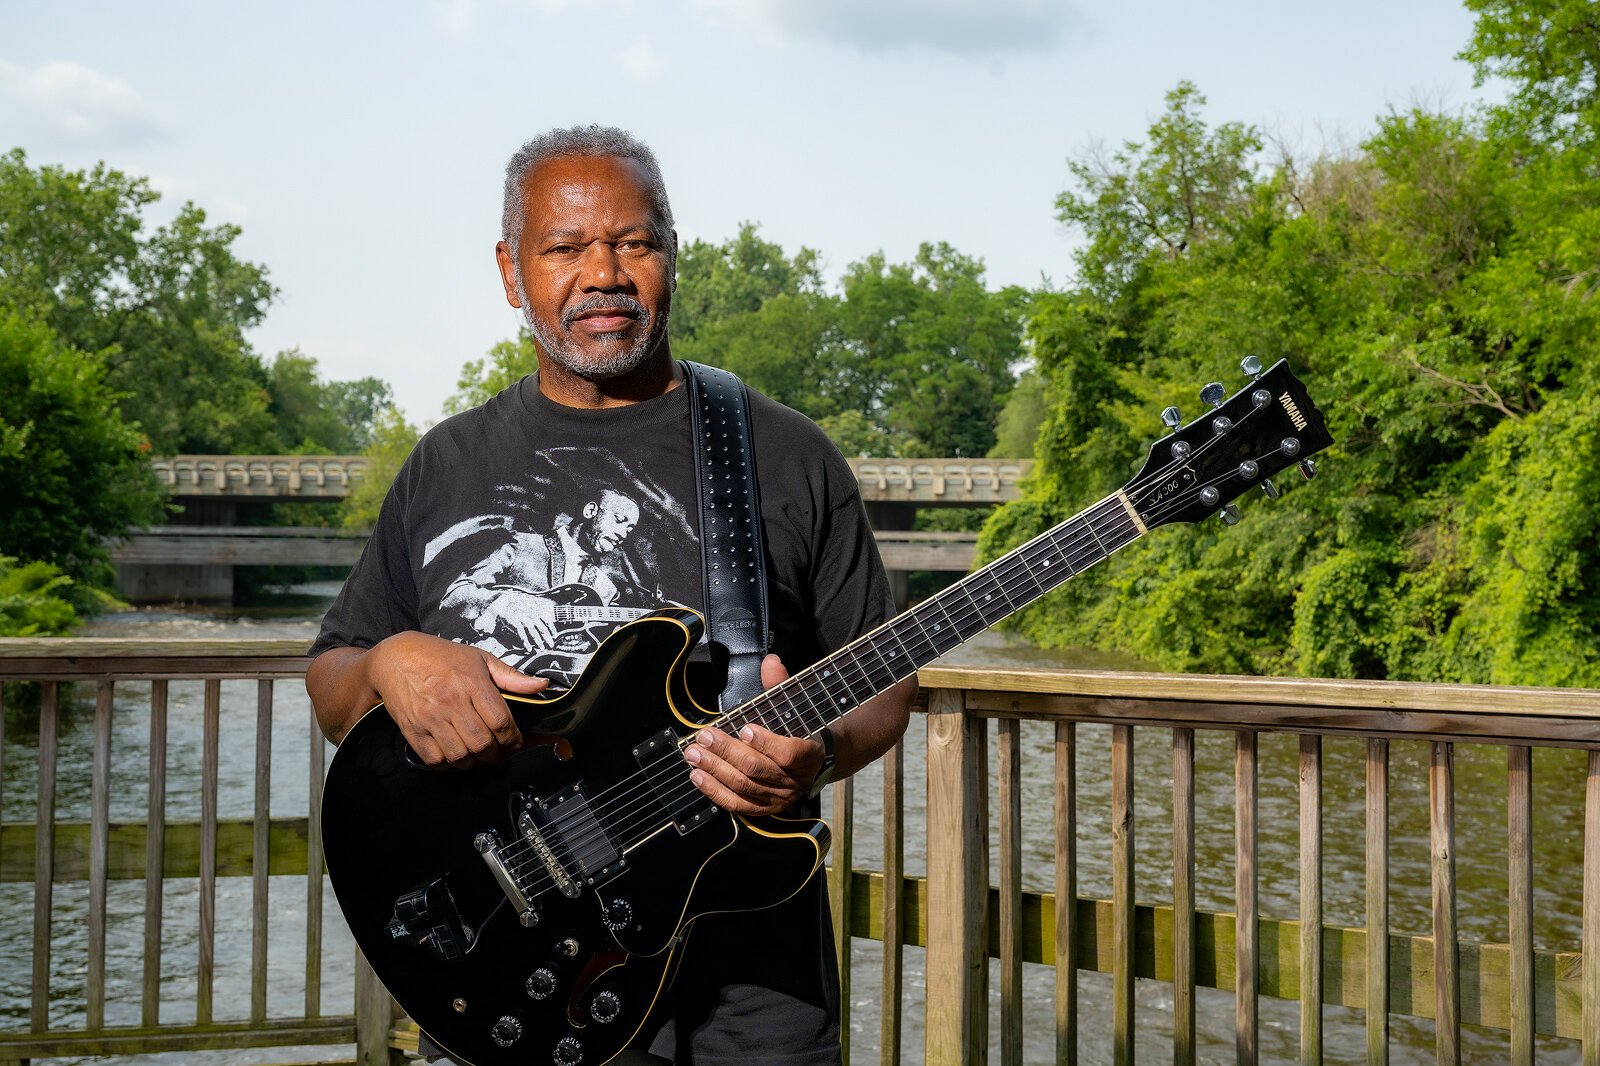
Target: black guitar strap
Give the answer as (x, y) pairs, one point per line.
(732, 554)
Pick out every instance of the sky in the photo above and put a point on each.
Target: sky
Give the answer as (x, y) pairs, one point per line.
(361, 147)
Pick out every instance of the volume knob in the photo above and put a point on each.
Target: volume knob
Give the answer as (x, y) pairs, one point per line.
(541, 983)
(569, 1051)
(605, 1006)
(619, 915)
(506, 1031)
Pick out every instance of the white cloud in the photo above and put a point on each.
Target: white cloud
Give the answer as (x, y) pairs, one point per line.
(964, 27)
(458, 18)
(639, 60)
(65, 104)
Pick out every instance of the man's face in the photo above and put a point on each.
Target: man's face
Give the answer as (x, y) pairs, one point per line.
(595, 282)
(608, 521)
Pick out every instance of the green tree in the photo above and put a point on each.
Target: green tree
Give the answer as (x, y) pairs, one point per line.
(506, 363)
(1434, 290)
(717, 282)
(392, 440)
(311, 415)
(72, 472)
(165, 310)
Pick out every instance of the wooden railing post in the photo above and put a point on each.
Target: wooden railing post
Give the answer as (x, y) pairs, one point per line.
(375, 1017)
(958, 883)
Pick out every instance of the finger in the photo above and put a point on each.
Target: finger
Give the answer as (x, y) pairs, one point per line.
(722, 795)
(773, 671)
(740, 756)
(498, 721)
(786, 752)
(509, 679)
(457, 752)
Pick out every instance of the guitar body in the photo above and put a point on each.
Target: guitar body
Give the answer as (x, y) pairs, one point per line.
(535, 911)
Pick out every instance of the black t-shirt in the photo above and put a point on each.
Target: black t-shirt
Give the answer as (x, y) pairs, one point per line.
(532, 530)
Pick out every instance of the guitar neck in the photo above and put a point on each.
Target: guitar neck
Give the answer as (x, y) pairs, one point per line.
(823, 693)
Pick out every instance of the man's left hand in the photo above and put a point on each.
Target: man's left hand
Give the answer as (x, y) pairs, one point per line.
(759, 771)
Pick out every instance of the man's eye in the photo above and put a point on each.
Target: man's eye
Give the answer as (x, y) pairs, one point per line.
(562, 249)
(639, 245)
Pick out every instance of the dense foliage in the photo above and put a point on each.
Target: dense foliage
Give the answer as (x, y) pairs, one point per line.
(72, 473)
(165, 310)
(120, 340)
(1437, 292)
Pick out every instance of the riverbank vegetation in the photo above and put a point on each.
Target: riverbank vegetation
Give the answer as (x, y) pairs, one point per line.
(121, 339)
(1437, 290)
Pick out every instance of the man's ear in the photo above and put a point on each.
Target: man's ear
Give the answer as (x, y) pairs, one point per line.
(591, 509)
(673, 281)
(508, 273)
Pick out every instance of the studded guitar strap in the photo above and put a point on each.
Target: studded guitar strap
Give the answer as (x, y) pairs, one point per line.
(730, 527)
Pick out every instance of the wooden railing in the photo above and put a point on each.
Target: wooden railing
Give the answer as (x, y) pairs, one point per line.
(1536, 996)
(1048, 729)
(160, 850)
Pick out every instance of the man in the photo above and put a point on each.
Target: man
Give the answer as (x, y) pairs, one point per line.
(543, 601)
(588, 254)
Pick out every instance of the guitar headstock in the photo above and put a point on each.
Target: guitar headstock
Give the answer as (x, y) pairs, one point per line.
(1265, 427)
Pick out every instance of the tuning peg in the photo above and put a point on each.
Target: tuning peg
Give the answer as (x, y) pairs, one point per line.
(1213, 393)
(1272, 491)
(1171, 418)
(1308, 467)
(1250, 365)
(1229, 514)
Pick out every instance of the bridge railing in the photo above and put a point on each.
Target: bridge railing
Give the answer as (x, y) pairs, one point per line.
(209, 819)
(1028, 866)
(1065, 768)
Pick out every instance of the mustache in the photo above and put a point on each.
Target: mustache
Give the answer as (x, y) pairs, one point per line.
(616, 301)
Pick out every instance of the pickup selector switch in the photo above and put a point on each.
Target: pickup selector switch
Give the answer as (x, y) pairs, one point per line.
(605, 1006)
(541, 983)
(569, 1051)
(506, 1031)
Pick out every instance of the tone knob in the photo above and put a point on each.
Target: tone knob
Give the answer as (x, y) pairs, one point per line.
(619, 915)
(506, 1031)
(541, 983)
(569, 1051)
(605, 1006)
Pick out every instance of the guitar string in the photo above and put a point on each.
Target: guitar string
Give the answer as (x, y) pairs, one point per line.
(684, 790)
(1005, 572)
(623, 819)
(997, 574)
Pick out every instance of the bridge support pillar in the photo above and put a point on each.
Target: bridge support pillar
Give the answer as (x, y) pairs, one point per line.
(894, 514)
(170, 582)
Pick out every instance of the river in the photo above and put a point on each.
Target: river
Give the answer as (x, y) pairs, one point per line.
(1480, 824)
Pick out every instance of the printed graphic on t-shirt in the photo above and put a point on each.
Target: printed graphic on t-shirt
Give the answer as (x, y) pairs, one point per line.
(581, 544)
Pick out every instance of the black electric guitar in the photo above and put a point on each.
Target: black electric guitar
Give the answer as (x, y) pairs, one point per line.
(533, 912)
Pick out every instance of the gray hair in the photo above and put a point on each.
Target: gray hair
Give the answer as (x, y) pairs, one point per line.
(588, 140)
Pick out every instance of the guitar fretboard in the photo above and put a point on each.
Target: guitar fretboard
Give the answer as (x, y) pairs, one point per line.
(827, 691)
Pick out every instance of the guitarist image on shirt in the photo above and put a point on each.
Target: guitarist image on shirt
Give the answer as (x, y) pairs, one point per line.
(544, 601)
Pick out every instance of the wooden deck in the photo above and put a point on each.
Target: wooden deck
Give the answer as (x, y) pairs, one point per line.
(973, 786)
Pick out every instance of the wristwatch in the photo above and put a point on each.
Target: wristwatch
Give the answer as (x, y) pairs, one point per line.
(825, 774)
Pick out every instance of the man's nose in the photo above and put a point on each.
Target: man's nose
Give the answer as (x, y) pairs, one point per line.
(600, 268)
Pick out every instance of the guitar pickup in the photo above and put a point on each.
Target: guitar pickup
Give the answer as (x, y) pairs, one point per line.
(570, 821)
(427, 919)
(662, 762)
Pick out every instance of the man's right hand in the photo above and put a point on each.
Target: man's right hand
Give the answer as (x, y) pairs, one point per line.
(445, 697)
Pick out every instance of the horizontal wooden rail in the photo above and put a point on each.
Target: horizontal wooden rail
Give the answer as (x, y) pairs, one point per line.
(218, 1036)
(1483, 969)
(127, 849)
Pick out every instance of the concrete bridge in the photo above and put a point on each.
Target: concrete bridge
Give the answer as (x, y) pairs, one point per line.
(194, 558)
(920, 482)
